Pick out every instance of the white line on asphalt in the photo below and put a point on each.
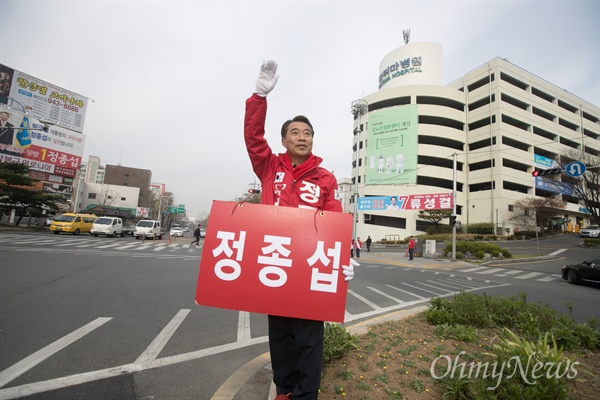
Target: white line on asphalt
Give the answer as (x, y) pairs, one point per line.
(27, 363)
(529, 275)
(160, 248)
(472, 269)
(410, 293)
(557, 252)
(106, 246)
(512, 272)
(243, 332)
(443, 284)
(470, 283)
(421, 289)
(15, 392)
(388, 296)
(435, 287)
(364, 300)
(549, 278)
(163, 337)
(491, 271)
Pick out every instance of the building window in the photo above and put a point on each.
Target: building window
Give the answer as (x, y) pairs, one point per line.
(110, 197)
(92, 196)
(511, 208)
(123, 198)
(126, 175)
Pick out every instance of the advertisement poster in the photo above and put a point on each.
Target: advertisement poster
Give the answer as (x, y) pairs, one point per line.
(437, 201)
(255, 256)
(55, 150)
(392, 146)
(42, 100)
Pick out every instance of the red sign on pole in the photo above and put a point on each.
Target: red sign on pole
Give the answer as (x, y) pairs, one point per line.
(275, 260)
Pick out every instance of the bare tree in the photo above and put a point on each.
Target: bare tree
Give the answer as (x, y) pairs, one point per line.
(524, 220)
(543, 208)
(586, 189)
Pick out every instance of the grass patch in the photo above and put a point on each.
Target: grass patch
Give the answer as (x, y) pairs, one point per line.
(396, 359)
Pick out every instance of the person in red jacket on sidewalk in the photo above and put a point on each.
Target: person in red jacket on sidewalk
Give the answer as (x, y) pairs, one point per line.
(291, 179)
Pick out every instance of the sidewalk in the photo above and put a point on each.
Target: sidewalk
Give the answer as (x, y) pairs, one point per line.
(254, 380)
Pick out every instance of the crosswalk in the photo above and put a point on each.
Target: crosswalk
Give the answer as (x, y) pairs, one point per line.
(479, 271)
(184, 247)
(100, 243)
(513, 273)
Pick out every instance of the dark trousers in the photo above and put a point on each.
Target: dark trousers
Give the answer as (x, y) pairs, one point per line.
(410, 253)
(357, 252)
(296, 347)
(196, 240)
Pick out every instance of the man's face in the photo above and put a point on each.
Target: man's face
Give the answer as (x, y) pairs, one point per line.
(4, 117)
(298, 140)
(393, 200)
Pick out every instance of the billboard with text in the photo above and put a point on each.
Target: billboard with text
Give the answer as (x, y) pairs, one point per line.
(42, 100)
(392, 146)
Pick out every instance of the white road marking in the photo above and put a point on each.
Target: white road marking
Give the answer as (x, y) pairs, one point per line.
(364, 300)
(163, 337)
(243, 333)
(529, 275)
(388, 296)
(27, 363)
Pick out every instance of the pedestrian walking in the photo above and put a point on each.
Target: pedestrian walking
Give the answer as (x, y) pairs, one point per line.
(368, 243)
(352, 248)
(358, 247)
(197, 236)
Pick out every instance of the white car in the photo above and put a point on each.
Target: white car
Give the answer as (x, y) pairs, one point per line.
(109, 226)
(148, 229)
(176, 231)
(592, 231)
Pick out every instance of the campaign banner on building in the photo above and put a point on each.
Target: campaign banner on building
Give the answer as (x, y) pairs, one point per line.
(437, 201)
(23, 138)
(550, 185)
(275, 260)
(392, 149)
(42, 100)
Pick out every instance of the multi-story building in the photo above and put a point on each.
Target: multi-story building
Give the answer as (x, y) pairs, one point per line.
(91, 171)
(133, 177)
(483, 134)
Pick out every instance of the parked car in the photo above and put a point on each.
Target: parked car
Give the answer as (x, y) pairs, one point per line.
(586, 271)
(592, 231)
(176, 231)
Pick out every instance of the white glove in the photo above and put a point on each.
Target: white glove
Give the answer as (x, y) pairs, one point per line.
(267, 78)
(349, 271)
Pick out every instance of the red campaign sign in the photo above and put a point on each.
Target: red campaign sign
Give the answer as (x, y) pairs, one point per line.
(275, 260)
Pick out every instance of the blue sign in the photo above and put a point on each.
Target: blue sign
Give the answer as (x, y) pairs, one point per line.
(575, 169)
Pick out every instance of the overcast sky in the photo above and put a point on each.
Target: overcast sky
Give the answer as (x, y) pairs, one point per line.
(169, 80)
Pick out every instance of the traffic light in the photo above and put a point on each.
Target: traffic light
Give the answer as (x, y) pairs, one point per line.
(452, 220)
(551, 171)
(254, 191)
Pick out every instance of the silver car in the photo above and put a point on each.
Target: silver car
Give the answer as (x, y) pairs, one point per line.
(592, 231)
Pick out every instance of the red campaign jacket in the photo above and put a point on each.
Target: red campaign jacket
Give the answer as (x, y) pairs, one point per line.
(306, 186)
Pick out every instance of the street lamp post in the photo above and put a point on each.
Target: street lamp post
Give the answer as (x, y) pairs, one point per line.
(359, 108)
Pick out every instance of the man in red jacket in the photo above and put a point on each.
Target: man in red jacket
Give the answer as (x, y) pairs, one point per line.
(291, 179)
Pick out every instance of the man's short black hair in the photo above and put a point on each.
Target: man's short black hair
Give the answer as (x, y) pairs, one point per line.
(297, 118)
